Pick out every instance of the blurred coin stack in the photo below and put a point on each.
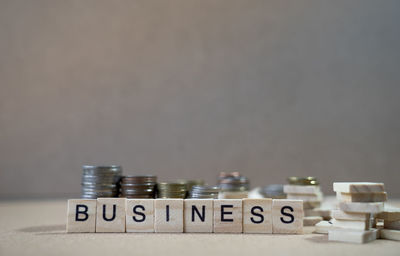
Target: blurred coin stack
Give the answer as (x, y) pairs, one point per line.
(358, 204)
(171, 190)
(189, 184)
(100, 181)
(308, 190)
(138, 186)
(202, 192)
(274, 191)
(233, 186)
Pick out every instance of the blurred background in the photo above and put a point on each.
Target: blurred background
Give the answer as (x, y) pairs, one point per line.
(189, 88)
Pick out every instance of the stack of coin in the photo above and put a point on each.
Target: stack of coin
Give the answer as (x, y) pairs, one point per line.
(191, 183)
(204, 192)
(273, 191)
(100, 181)
(171, 190)
(233, 182)
(138, 186)
(303, 181)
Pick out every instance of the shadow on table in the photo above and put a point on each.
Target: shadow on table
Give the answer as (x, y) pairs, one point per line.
(43, 229)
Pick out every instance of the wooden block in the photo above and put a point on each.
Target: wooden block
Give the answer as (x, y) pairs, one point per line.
(257, 215)
(390, 234)
(362, 197)
(361, 207)
(358, 187)
(311, 220)
(110, 215)
(311, 204)
(228, 216)
(351, 224)
(81, 216)
(297, 189)
(323, 227)
(392, 224)
(341, 215)
(287, 216)
(198, 215)
(168, 215)
(305, 197)
(139, 215)
(389, 214)
(353, 236)
(324, 213)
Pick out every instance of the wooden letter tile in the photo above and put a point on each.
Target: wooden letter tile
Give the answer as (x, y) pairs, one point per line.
(287, 216)
(353, 236)
(168, 215)
(139, 215)
(341, 215)
(198, 215)
(361, 207)
(228, 215)
(110, 215)
(81, 215)
(362, 197)
(257, 215)
(358, 187)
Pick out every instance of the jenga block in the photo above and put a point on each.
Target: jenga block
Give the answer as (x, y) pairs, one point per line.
(392, 224)
(287, 216)
(341, 215)
(198, 215)
(324, 213)
(389, 214)
(228, 215)
(305, 197)
(110, 215)
(298, 189)
(311, 220)
(81, 216)
(361, 207)
(168, 215)
(139, 215)
(351, 224)
(358, 187)
(353, 236)
(390, 234)
(323, 227)
(311, 204)
(257, 215)
(362, 197)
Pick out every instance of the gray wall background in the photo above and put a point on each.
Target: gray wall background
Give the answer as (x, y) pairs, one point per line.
(185, 89)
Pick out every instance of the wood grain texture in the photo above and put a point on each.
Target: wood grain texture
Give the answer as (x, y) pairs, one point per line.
(140, 215)
(358, 187)
(198, 215)
(361, 207)
(298, 189)
(342, 215)
(84, 222)
(362, 197)
(389, 234)
(287, 216)
(168, 215)
(311, 220)
(255, 223)
(389, 214)
(110, 215)
(228, 216)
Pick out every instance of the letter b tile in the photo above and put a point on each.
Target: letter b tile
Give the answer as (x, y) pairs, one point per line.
(81, 216)
(110, 215)
(287, 216)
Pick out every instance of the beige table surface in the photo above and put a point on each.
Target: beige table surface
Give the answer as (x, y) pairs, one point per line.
(38, 228)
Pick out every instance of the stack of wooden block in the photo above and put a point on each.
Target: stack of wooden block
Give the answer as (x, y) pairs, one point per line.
(312, 198)
(391, 223)
(358, 204)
